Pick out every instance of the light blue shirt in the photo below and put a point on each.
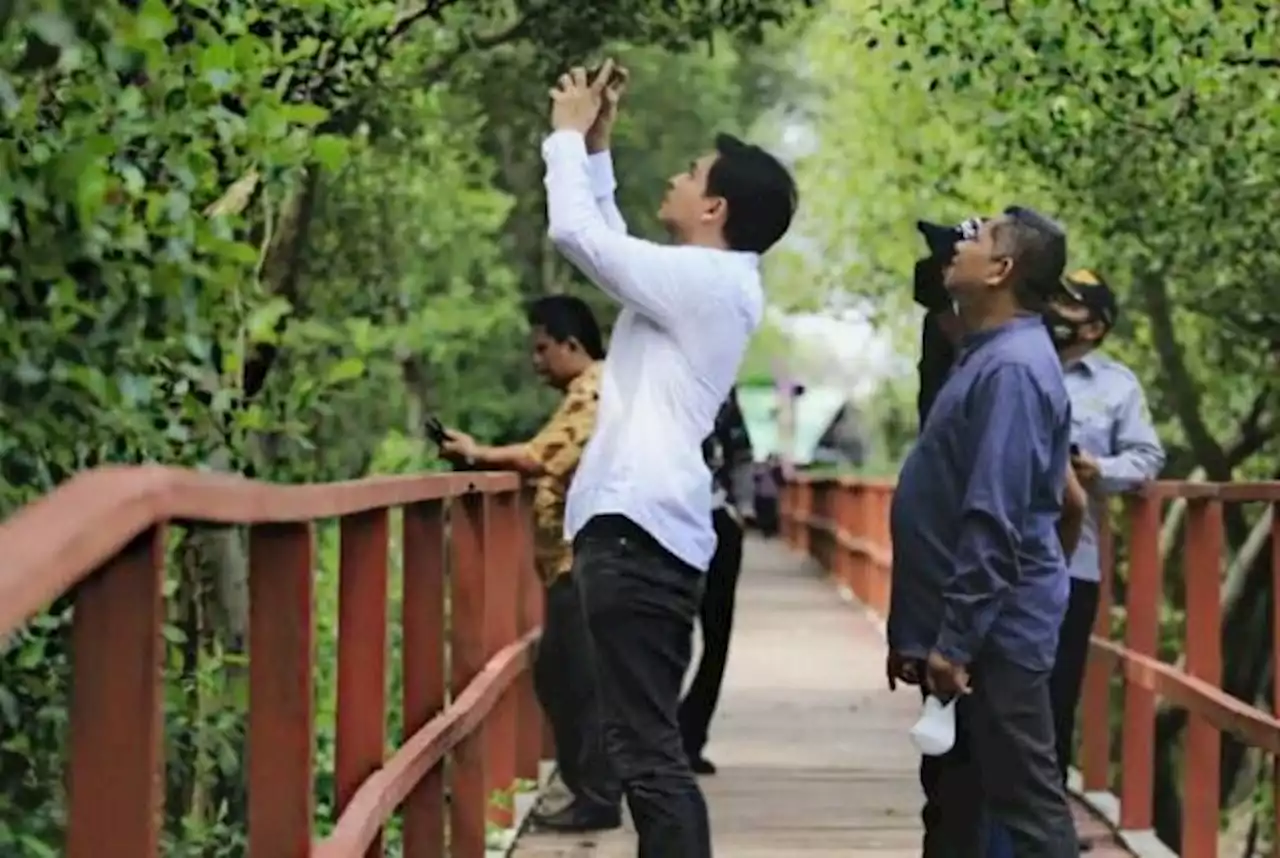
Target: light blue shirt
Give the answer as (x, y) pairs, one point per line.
(687, 315)
(1109, 421)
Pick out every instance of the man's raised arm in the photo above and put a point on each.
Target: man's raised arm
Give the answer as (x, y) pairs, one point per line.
(653, 279)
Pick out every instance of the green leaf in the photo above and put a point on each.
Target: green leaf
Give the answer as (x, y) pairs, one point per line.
(345, 370)
(330, 150)
(304, 114)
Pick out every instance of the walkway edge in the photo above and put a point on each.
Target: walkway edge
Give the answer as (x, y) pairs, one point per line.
(1143, 843)
(524, 804)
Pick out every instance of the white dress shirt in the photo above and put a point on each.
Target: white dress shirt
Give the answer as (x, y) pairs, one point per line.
(688, 313)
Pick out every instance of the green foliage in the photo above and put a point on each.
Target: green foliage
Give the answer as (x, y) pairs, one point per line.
(1150, 131)
(270, 239)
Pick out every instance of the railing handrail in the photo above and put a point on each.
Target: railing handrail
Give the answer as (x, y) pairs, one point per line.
(56, 541)
(843, 522)
(1251, 491)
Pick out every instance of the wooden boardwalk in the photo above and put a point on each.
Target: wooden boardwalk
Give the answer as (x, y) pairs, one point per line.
(812, 748)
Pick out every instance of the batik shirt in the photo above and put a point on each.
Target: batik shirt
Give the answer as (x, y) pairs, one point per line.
(558, 448)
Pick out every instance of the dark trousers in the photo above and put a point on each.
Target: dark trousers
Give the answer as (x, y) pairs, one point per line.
(1003, 769)
(563, 681)
(716, 616)
(767, 516)
(640, 602)
(1069, 666)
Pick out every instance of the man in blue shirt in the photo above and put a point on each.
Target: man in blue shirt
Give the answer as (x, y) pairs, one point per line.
(1115, 449)
(979, 579)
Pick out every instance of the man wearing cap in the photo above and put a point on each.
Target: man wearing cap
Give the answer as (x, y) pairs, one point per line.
(1115, 449)
(979, 575)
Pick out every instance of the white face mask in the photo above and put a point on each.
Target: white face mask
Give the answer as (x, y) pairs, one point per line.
(935, 733)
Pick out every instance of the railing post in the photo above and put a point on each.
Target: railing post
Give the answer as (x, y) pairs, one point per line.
(1095, 720)
(862, 565)
(878, 535)
(804, 509)
(362, 655)
(841, 558)
(503, 574)
(529, 736)
(1202, 754)
(423, 657)
(116, 779)
(1275, 660)
(281, 712)
(1142, 635)
(469, 523)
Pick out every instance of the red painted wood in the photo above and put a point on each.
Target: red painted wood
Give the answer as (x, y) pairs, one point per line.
(423, 657)
(281, 713)
(1095, 721)
(362, 654)
(1201, 768)
(469, 522)
(1137, 750)
(115, 786)
(1275, 660)
(502, 587)
(529, 736)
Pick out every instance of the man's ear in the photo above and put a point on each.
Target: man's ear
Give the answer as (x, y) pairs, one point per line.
(573, 344)
(716, 208)
(1001, 270)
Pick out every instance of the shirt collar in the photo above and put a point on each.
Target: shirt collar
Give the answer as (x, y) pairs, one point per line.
(587, 378)
(972, 342)
(1089, 364)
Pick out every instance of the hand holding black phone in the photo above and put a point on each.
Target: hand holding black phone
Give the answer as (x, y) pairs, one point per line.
(435, 430)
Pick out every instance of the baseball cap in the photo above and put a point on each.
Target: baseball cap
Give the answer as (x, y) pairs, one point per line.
(942, 240)
(1089, 290)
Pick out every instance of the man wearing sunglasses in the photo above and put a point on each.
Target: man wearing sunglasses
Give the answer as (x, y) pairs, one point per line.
(979, 573)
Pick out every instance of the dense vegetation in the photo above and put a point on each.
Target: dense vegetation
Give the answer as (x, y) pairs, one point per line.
(1150, 129)
(267, 238)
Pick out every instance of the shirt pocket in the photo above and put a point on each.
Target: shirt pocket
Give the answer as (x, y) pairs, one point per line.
(1092, 428)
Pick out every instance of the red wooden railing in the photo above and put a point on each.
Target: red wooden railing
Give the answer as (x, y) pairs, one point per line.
(466, 542)
(844, 524)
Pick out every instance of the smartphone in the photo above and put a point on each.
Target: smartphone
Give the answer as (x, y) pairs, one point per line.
(615, 78)
(435, 429)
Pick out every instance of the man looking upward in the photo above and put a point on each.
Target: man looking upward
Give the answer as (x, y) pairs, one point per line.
(639, 508)
(979, 573)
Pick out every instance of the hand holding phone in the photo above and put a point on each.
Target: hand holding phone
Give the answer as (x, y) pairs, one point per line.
(435, 430)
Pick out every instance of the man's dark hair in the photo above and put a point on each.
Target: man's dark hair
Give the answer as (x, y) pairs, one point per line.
(1038, 247)
(760, 193)
(565, 317)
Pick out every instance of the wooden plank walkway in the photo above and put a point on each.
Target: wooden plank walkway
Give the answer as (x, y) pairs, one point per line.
(812, 748)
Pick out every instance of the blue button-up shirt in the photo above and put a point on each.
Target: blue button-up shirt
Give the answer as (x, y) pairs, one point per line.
(977, 563)
(1110, 422)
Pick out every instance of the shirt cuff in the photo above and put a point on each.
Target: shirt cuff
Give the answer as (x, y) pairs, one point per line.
(954, 648)
(600, 169)
(564, 144)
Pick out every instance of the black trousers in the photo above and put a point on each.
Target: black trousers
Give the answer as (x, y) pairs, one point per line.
(716, 616)
(640, 602)
(1003, 768)
(767, 516)
(1069, 665)
(563, 682)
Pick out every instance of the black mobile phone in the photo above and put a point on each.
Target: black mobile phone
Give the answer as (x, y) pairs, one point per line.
(615, 77)
(435, 429)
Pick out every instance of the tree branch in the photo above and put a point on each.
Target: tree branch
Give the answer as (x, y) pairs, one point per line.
(1182, 387)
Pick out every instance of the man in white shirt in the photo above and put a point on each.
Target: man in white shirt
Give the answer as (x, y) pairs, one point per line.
(639, 508)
